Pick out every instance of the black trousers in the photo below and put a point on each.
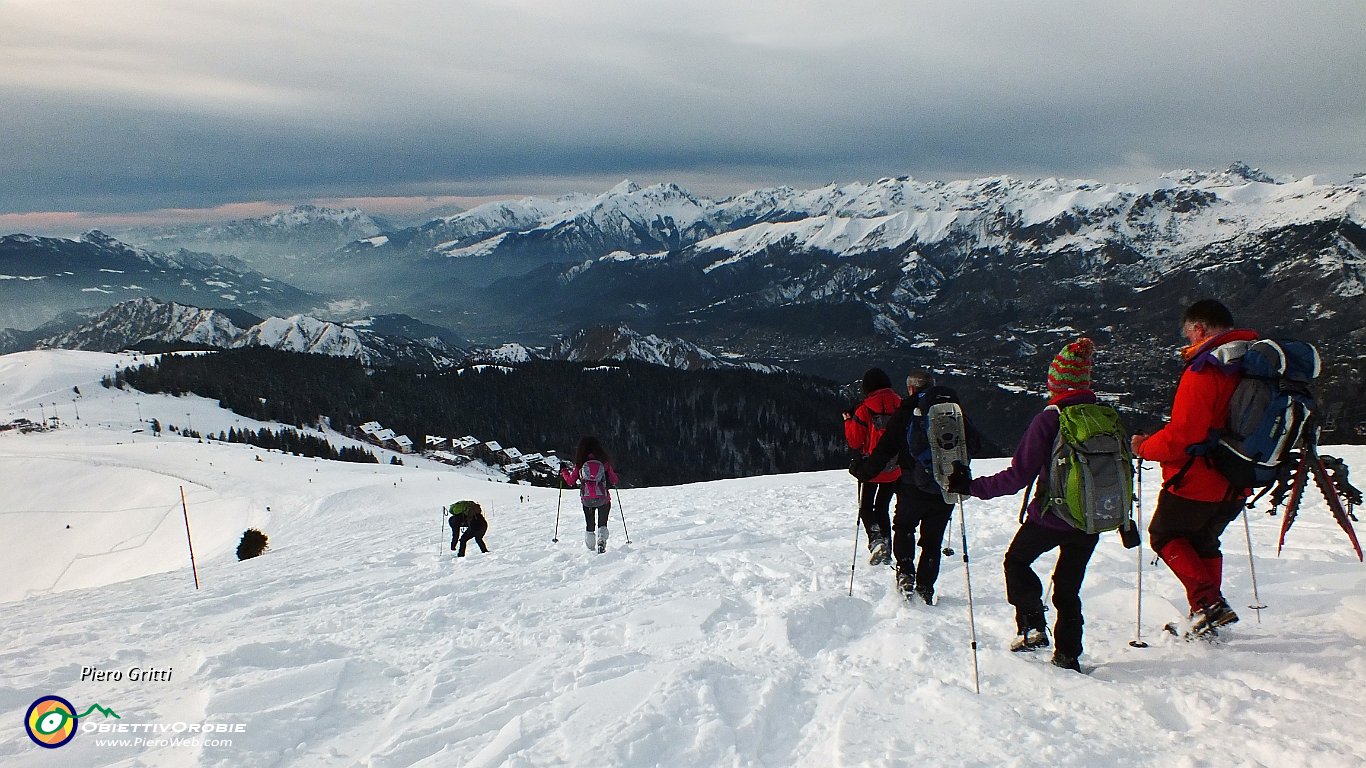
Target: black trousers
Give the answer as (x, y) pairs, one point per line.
(873, 502)
(928, 512)
(1025, 591)
(600, 513)
(476, 531)
(1199, 522)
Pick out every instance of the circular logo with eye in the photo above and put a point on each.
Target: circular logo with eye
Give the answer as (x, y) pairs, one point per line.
(51, 722)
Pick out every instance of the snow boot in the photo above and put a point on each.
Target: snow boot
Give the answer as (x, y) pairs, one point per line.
(905, 583)
(590, 540)
(1029, 640)
(1064, 661)
(602, 539)
(926, 594)
(880, 552)
(1211, 617)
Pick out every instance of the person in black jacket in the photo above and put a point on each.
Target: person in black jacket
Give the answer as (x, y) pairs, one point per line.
(470, 516)
(920, 504)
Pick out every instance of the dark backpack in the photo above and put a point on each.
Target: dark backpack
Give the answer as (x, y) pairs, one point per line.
(875, 431)
(1268, 414)
(917, 429)
(593, 484)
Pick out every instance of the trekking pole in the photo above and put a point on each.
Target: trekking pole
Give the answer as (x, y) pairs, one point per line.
(857, 521)
(1138, 642)
(441, 534)
(555, 537)
(622, 510)
(1257, 605)
(948, 543)
(967, 573)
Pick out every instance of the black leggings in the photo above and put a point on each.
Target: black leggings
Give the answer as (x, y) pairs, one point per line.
(873, 501)
(1025, 591)
(475, 531)
(930, 514)
(602, 516)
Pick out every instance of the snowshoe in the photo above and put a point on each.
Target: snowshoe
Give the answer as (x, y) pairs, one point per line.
(602, 540)
(927, 594)
(1175, 629)
(1211, 617)
(1064, 661)
(1029, 640)
(905, 584)
(879, 552)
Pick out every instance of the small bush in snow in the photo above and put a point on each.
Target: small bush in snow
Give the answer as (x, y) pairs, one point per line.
(253, 543)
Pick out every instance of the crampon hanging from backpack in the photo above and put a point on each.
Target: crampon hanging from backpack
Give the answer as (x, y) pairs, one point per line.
(1333, 486)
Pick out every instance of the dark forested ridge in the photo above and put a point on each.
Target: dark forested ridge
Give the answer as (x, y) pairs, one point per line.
(662, 425)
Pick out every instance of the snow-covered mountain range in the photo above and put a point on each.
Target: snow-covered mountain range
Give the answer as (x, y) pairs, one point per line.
(301, 230)
(44, 277)
(984, 278)
(143, 322)
(618, 342)
(390, 340)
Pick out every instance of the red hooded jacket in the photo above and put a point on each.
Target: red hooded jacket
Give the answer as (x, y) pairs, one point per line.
(1200, 405)
(863, 435)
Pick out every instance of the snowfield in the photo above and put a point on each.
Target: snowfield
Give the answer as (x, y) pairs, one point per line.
(723, 634)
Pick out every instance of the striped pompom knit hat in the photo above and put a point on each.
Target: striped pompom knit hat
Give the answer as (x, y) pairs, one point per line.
(1070, 370)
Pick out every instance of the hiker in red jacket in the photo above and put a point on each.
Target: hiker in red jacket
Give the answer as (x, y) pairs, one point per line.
(862, 429)
(1196, 502)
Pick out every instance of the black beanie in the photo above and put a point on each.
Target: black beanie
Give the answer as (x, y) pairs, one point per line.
(875, 379)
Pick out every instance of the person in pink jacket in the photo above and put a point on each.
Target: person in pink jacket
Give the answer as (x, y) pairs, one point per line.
(593, 475)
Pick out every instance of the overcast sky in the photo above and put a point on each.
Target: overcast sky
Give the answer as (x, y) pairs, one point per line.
(136, 105)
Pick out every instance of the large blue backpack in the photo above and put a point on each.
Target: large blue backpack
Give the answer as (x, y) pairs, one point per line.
(1268, 415)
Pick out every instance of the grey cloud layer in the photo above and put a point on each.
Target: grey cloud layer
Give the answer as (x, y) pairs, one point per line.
(143, 104)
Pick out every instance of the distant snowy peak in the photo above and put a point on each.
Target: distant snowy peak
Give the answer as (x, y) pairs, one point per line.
(507, 354)
(618, 342)
(131, 323)
(307, 227)
(301, 333)
(309, 215)
(136, 323)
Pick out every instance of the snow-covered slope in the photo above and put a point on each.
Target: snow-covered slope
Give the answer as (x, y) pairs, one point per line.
(722, 634)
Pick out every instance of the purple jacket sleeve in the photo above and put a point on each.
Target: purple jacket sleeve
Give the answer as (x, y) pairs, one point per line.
(571, 479)
(612, 476)
(1034, 450)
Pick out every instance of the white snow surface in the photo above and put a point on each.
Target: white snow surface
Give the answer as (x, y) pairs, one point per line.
(723, 634)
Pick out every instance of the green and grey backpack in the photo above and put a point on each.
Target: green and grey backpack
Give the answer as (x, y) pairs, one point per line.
(1090, 477)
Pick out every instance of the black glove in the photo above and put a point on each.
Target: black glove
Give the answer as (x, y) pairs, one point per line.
(960, 479)
(859, 466)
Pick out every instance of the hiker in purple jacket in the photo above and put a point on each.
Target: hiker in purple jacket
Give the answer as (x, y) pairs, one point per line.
(1069, 383)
